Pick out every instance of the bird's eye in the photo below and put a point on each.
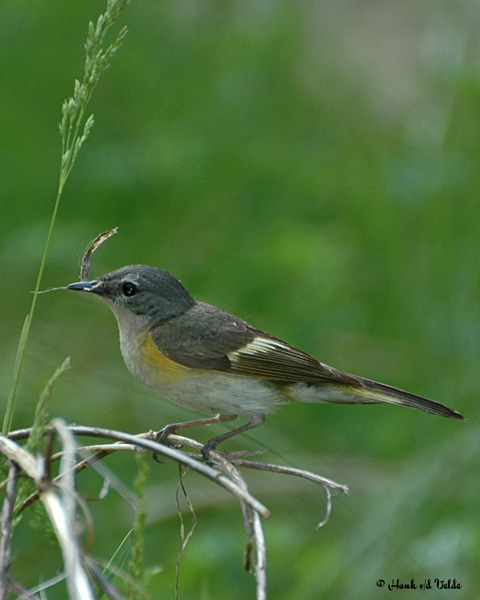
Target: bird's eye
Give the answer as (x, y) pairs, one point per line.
(129, 289)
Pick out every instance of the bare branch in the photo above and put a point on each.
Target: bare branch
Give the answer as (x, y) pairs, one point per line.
(253, 527)
(183, 539)
(21, 592)
(261, 564)
(62, 513)
(78, 583)
(177, 455)
(62, 508)
(327, 483)
(6, 529)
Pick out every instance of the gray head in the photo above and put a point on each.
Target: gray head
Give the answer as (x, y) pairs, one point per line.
(141, 290)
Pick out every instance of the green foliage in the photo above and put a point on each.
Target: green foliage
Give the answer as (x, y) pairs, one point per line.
(34, 445)
(40, 419)
(137, 560)
(74, 126)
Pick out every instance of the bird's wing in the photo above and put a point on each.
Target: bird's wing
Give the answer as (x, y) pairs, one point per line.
(209, 338)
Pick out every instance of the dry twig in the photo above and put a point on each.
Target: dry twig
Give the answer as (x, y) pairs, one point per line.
(78, 583)
(61, 500)
(85, 268)
(6, 529)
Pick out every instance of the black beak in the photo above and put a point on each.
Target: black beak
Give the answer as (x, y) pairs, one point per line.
(86, 286)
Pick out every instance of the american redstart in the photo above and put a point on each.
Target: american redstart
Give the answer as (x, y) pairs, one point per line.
(206, 359)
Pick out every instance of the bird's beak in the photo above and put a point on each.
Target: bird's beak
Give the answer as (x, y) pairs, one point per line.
(94, 286)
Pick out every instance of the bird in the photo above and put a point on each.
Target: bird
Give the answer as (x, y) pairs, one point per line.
(206, 359)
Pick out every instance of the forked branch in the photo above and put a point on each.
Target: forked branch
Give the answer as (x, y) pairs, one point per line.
(61, 500)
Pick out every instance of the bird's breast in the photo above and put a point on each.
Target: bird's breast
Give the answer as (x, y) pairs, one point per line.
(197, 389)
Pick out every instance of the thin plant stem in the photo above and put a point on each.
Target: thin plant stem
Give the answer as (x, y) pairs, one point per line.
(74, 130)
(7, 421)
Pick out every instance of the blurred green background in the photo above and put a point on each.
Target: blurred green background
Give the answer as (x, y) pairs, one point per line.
(313, 168)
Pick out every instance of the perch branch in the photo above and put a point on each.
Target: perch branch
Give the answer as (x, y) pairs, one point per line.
(62, 507)
(177, 455)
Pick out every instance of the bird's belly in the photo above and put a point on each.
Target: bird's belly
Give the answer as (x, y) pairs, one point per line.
(200, 389)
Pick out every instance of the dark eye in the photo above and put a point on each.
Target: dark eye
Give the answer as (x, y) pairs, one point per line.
(129, 289)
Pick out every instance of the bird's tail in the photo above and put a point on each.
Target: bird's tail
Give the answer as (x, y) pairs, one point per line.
(380, 392)
(357, 390)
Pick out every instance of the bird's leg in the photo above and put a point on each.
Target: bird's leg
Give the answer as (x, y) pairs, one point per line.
(253, 421)
(173, 427)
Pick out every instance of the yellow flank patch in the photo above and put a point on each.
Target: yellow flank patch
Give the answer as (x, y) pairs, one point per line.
(164, 367)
